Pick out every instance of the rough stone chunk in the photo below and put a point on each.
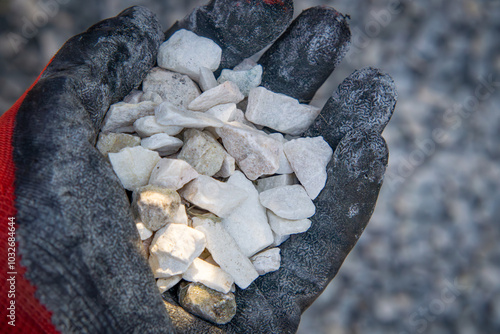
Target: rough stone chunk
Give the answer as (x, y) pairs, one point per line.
(165, 284)
(207, 303)
(224, 112)
(151, 96)
(217, 197)
(255, 152)
(155, 206)
(275, 182)
(144, 232)
(202, 152)
(133, 166)
(247, 223)
(226, 252)
(228, 167)
(309, 158)
(148, 126)
(267, 261)
(279, 112)
(175, 88)
(290, 202)
(206, 79)
(174, 248)
(169, 114)
(282, 226)
(228, 92)
(115, 142)
(133, 97)
(208, 274)
(162, 143)
(172, 173)
(180, 216)
(121, 116)
(185, 52)
(244, 79)
(285, 167)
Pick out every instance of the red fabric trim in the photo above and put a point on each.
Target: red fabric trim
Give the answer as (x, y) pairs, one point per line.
(31, 317)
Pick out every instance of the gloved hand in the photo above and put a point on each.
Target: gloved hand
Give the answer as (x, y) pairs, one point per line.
(76, 237)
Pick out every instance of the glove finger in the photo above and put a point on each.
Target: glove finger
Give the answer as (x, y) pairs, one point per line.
(240, 27)
(301, 60)
(76, 235)
(364, 101)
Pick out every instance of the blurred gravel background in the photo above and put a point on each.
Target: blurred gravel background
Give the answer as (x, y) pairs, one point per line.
(429, 261)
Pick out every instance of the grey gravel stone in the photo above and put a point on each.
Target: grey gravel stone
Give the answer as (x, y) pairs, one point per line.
(202, 152)
(290, 202)
(211, 305)
(185, 52)
(155, 206)
(175, 88)
(114, 142)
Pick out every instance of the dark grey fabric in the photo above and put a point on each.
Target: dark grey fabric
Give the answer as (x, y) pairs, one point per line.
(76, 235)
(364, 101)
(301, 60)
(77, 238)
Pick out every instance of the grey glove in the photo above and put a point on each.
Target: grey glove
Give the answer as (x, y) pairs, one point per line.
(76, 234)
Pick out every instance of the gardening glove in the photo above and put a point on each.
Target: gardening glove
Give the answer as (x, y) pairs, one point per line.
(77, 264)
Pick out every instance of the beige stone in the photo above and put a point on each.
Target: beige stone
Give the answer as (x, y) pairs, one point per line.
(202, 152)
(155, 206)
(206, 303)
(255, 152)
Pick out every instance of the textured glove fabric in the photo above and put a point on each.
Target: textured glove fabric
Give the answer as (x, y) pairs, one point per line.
(76, 236)
(29, 316)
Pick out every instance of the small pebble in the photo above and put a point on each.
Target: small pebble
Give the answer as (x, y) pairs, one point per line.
(290, 202)
(228, 92)
(217, 197)
(185, 52)
(244, 79)
(279, 112)
(175, 88)
(202, 152)
(255, 152)
(172, 173)
(309, 158)
(208, 274)
(267, 261)
(144, 232)
(121, 116)
(282, 226)
(206, 79)
(155, 206)
(115, 142)
(169, 114)
(174, 248)
(133, 166)
(148, 126)
(247, 223)
(162, 143)
(207, 303)
(226, 252)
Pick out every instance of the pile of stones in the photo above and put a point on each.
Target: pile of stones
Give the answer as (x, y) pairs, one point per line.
(217, 174)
